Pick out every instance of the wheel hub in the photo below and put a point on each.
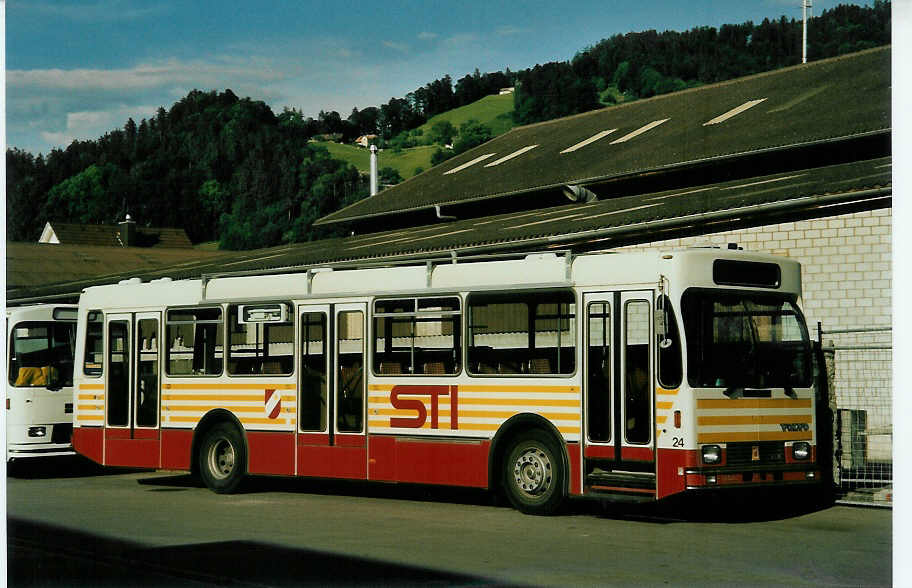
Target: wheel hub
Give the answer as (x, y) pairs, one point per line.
(221, 459)
(532, 472)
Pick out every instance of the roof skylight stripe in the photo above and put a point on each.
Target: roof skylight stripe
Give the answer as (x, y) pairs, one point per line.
(547, 220)
(624, 210)
(516, 153)
(733, 112)
(639, 131)
(782, 179)
(469, 163)
(591, 139)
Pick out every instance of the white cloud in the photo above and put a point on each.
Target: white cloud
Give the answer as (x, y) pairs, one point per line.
(100, 11)
(395, 46)
(426, 36)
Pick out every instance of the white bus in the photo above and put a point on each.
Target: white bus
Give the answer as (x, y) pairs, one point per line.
(41, 341)
(632, 376)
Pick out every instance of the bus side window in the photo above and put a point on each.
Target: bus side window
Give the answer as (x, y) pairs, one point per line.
(93, 360)
(350, 388)
(194, 342)
(313, 372)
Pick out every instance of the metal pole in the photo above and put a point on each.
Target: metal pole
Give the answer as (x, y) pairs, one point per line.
(805, 4)
(373, 160)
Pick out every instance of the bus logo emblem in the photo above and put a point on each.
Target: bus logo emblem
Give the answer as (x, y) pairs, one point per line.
(273, 404)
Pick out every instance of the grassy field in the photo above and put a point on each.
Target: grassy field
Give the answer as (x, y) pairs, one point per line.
(494, 111)
(405, 162)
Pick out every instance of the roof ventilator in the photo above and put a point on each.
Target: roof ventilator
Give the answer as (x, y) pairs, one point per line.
(440, 214)
(579, 194)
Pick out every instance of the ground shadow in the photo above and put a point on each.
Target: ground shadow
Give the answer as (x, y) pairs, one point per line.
(46, 555)
(741, 506)
(67, 466)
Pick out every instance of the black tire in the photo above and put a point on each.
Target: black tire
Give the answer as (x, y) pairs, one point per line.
(223, 458)
(533, 474)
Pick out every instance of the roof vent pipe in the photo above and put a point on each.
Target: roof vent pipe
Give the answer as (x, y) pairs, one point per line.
(579, 194)
(373, 149)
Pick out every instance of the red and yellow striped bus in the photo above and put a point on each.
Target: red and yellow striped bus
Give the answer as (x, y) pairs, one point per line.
(633, 376)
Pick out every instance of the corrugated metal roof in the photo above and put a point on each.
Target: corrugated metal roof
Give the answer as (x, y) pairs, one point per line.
(831, 100)
(821, 191)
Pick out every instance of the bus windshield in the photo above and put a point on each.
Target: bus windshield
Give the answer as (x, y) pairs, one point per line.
(745, 340)
(41, 354)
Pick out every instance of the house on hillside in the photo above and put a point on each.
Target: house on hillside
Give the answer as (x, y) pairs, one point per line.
(123, 234)
(366, 140)
(505, 91)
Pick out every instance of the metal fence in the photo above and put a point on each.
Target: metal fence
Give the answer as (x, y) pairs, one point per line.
(859, 368)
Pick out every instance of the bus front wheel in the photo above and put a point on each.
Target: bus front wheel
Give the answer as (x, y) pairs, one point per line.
(222, 458)
(534, 474)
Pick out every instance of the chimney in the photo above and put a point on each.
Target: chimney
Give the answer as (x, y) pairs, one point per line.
(373, 170)
(127, 232)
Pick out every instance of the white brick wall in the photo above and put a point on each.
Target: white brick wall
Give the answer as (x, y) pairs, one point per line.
(845, 263)
(847, 282)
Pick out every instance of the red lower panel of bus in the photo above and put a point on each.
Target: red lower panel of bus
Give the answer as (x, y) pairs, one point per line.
(175, 447)
(138, 448)
(89, 441)
(454, 463)
(346, 458)
(270, 453)
(670, 466)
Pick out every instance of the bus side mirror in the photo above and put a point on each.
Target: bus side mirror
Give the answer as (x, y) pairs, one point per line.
(661, 328)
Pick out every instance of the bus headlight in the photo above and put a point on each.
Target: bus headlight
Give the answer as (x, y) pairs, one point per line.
(801, 450)
(37, 431)
(712, 454)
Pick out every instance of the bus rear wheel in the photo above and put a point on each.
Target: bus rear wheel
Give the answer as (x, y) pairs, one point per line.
(534, 474)
(222, 459)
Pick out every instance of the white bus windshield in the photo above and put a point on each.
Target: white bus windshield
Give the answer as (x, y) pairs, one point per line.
(41, 354)
(745, 340)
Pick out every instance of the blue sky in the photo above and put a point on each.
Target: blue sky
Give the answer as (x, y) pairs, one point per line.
(77, 69)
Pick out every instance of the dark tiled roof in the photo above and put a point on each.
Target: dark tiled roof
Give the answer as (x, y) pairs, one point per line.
(108, 235)
(826, 101)
(821, 191)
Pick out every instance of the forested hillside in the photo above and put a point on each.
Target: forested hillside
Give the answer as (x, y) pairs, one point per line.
(231, 170)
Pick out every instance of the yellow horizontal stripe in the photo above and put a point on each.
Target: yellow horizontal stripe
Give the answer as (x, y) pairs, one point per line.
(771, 419)
(384, 424)
(664, 405)
(90, 397)
(91, 386)
(661, 419)
(755, 403)
(90, 417)
(182, 419)
(575, 403)
(221, 398)
(215, 386)
(533, 389)
(265, 421)
(476, 388)
(82, 407)
(483, 414)
(664, 392)
(753, 436)
(232, 408)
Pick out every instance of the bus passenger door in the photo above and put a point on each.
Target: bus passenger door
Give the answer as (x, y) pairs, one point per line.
(331, 434)
(132, 397)
(619, 450)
